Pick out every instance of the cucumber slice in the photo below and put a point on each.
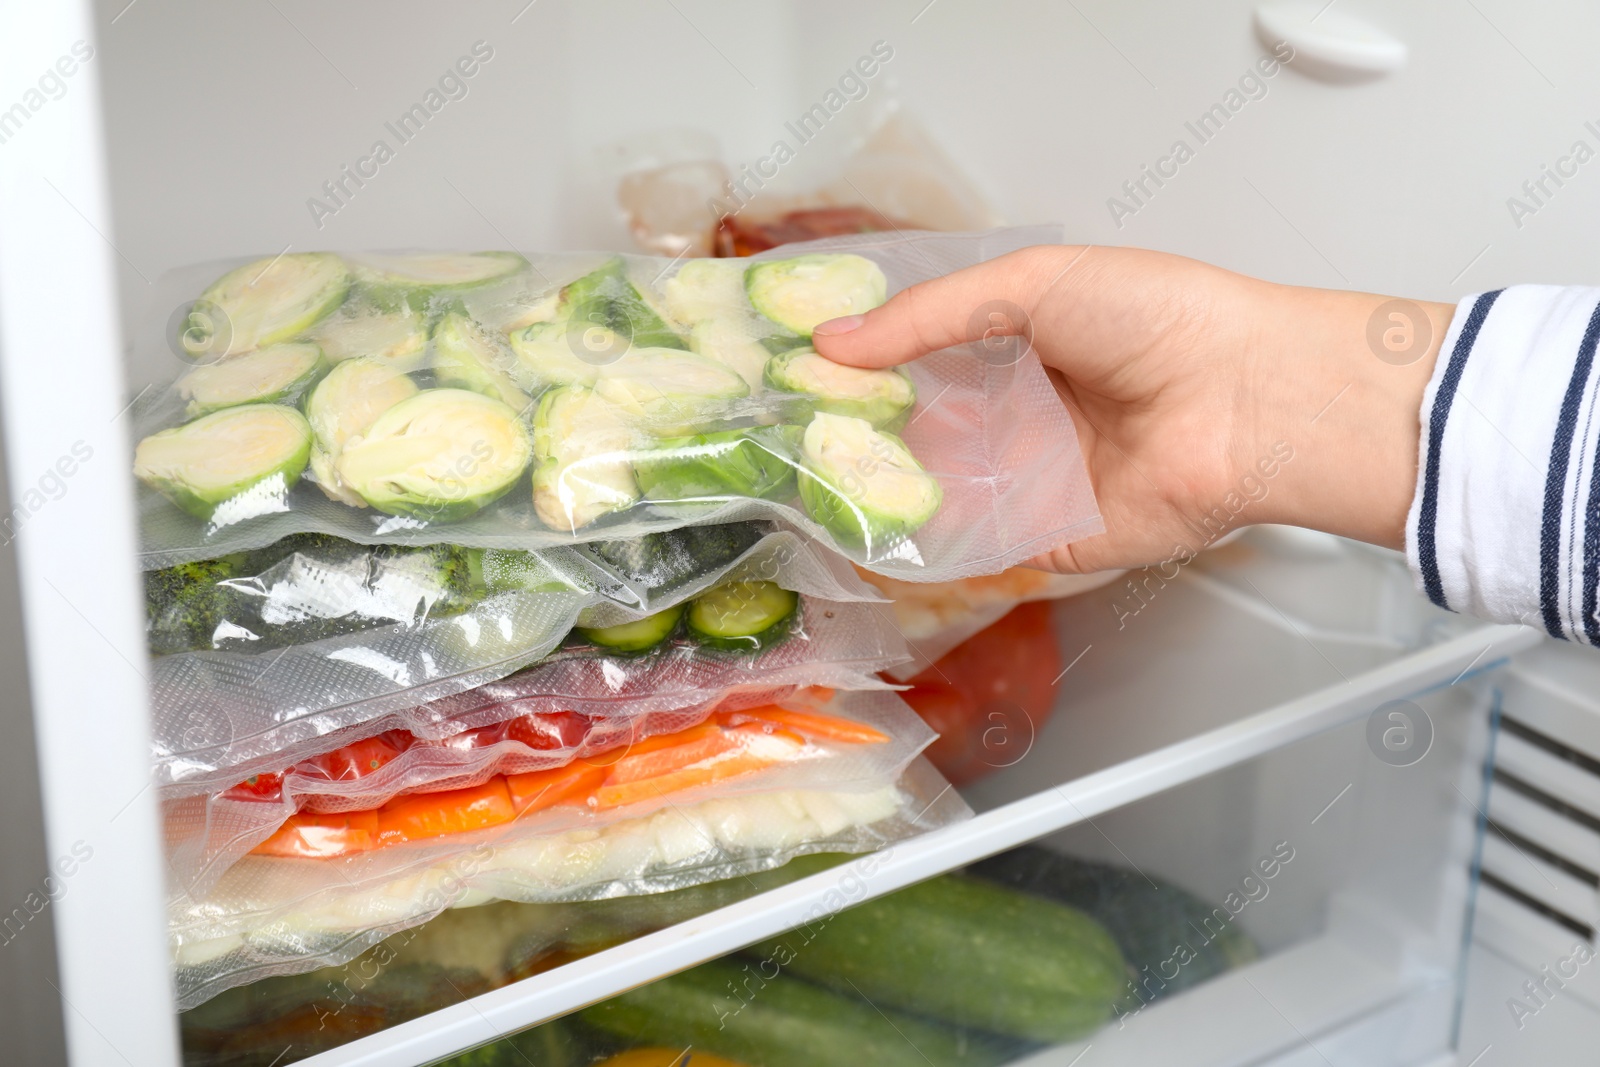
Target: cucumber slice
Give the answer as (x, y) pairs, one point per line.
(439, 456)
(743, 616)
(421, 279)
(277, 372)
(640, 635)
(468, 356)
(798, 293)
(265, 302)
(344, 405)
(881, 397)
(255, 450)
(362, 330)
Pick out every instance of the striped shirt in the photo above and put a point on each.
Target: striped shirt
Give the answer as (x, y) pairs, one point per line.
(1505, 523)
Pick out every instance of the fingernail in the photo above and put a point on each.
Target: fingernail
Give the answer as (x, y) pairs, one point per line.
(844, 325)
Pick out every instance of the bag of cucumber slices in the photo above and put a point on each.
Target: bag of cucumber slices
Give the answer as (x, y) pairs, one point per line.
(741, 792)
(225, 719)
(491, 401)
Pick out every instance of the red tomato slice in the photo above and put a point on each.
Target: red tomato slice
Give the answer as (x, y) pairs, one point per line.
(357, 759)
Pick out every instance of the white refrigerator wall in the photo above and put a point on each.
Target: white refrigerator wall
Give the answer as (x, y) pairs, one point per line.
(225, 120)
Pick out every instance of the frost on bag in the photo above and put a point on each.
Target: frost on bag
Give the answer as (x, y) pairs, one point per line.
(402, 626)
(488, 401)
(742, 791)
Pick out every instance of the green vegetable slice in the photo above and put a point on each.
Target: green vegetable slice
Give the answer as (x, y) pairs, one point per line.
(799, 293)
(277, 372)
(440, 455)
(265, 302)
(863, 485)
(881, 397)
(706, 289)
(756, 462)
(419, 280)
(468, 356)
(344, 405)
(606, 297)
(743, 616)
(582, 447)
(361, 330)
(736, 344)
(545, 355)
(670, 392)
(252, 454)
(638, 636)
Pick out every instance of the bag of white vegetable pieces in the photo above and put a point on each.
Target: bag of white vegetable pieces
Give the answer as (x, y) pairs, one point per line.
(735, 791)
(313, 634)
(492, 401)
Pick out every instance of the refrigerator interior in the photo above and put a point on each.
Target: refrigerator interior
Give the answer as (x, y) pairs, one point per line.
(222, 124)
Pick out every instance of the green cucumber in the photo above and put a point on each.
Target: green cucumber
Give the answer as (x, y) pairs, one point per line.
(1171, 937)
(734, 1010)
(641, 635)
(968, 952)
(743, 616)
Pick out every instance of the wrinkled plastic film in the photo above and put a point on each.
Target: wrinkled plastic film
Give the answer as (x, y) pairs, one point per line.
(218, 710)
(988, 430)
(689, 845)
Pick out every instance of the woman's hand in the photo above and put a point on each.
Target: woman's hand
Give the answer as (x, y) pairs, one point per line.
(1188, 384)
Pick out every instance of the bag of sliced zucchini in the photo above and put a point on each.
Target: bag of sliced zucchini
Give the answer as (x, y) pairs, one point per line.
(356, 635)
(491, 401)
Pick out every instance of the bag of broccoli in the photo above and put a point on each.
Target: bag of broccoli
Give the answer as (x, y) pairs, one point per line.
(281, 646)
(490, 401)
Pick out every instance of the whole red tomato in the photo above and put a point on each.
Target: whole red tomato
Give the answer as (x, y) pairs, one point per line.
(989, 696)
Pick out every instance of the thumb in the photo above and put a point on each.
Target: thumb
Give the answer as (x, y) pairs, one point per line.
(986, 302)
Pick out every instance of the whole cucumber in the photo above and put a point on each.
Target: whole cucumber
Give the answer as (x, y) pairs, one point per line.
(729, 1009)
(966, 952)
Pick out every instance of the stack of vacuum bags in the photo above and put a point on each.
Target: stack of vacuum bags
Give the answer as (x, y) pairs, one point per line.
(479, 577)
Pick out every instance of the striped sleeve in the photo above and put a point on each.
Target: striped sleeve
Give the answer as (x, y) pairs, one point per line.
(1505, 523)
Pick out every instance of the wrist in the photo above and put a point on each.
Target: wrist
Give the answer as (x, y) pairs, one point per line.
(1342, 375)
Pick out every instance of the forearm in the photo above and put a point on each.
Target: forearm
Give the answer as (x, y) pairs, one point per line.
(1339, 378)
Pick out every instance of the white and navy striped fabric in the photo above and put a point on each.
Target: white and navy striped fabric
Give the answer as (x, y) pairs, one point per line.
(1505, 524)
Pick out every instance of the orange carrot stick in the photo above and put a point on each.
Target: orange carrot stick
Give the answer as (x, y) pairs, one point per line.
(418, 816)
(535, 791)
(828, 727)
(655, 762)
(730, 765)
(310, 836)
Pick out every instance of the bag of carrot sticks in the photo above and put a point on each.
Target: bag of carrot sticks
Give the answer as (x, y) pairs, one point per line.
(740, 789)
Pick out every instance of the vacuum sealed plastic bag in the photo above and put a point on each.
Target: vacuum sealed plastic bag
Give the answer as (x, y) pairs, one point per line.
(787, 789)
(488, 401)
(222, 708)
(368, 793)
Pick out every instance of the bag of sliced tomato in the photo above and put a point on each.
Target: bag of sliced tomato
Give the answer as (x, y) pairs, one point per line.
(988, 697)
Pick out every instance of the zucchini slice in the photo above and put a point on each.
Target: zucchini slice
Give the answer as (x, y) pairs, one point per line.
(641, 635)
(743, 616)
(277, 372)
(254, 449)
(438, 456)
(265, 302)
(799, 293)
(467, 356)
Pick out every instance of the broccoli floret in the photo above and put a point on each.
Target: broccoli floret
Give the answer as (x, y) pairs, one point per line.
(660, 561)
(185, 604)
